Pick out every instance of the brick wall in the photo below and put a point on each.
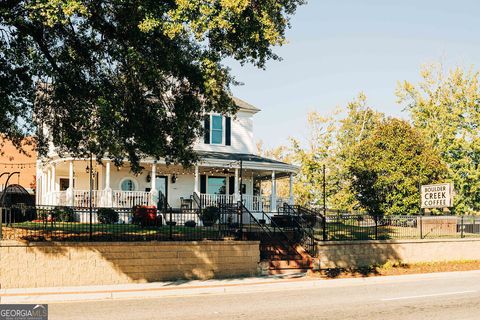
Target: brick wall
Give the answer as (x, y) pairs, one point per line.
(347, 254)
(71, 264)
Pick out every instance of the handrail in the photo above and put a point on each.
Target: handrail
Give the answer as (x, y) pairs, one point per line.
(269, 232)
(196, 198)
(303, 226)
(315, 214)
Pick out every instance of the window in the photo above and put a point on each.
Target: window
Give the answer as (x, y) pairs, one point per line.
(217, 185)
(127, 185)
(217, 129)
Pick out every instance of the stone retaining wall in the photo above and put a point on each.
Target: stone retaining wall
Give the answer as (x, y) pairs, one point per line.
(71, 264)
(350, 254)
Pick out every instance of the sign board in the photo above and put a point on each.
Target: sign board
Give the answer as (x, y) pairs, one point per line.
(437, 195)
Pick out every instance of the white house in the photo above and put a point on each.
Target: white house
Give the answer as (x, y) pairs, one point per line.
(228, 144)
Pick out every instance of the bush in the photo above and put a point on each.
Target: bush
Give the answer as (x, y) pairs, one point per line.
(107, 216)
(190, 224)
(64, 214)
(209, 216)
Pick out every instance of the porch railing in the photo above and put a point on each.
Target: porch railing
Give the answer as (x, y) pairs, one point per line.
(100, 198)
(81, 198)
(129, 199)
(215, 199)
(253, 203)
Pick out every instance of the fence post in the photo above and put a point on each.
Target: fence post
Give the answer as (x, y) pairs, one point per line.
(376, 227)
(421, 227)
(324, 227)
(461, 227)
(171, 224)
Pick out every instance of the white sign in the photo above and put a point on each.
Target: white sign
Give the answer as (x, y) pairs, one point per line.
(437, 195)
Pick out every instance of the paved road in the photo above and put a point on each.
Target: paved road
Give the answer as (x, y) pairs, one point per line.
(452, 296)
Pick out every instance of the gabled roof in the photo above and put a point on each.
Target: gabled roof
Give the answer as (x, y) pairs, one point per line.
(245, 106)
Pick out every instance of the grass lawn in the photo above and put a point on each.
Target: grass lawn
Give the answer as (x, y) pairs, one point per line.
(72, 230)
(352, 231)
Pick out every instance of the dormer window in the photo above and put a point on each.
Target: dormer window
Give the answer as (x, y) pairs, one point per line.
(218, 130)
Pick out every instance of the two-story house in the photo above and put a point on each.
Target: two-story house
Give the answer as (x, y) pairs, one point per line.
(228, 167)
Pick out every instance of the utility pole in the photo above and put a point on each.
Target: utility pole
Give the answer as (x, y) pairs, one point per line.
(90, 195)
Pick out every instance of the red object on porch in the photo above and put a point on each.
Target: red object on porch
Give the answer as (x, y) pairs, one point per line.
(145, 215)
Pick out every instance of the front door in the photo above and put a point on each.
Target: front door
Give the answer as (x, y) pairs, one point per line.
(161, 184)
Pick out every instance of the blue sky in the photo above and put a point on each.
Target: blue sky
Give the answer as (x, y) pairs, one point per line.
(338, 48)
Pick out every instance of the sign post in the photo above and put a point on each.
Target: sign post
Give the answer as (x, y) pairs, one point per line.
(436, 196)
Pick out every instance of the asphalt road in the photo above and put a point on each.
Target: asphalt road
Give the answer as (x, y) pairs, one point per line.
(453, 296)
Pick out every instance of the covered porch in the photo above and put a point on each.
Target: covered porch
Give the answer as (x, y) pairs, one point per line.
(219, 178)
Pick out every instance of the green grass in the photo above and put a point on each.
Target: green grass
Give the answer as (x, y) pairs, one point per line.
(352, 231)
(77, 228)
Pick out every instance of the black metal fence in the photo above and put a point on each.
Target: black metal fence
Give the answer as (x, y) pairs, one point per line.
(49, 223)
(366, 227)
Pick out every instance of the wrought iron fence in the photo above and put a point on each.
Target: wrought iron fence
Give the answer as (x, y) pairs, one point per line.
(366, 227)
(53, 223)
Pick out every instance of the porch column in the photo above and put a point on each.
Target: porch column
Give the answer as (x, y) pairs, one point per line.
(48, 184)
(236, 187)
(107, 194)
(70, 184)
(195, 187)
(53, 179)
(291, 200)
(153, 191)
(54, 187)
(273, 199)
(44, 187)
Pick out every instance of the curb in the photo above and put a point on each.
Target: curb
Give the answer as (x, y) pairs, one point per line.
(161, 289)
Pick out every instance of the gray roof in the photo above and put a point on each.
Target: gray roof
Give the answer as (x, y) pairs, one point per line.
(236, 157)
(244, 105)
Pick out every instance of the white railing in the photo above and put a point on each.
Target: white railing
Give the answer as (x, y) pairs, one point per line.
(55, 198)
(208, 199)
(100, 198)
(253, 203)
(129, 199)
(81, 198)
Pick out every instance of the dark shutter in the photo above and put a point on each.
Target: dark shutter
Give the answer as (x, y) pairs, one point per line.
(228, 131)
(231, 185)
(203, 183)
(206, 128)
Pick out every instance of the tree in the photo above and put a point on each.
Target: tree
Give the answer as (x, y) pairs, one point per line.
(445, 107)
(332, 141)
(130, 78)
(388, 167)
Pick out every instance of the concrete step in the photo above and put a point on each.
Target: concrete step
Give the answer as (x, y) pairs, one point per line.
(290, 264)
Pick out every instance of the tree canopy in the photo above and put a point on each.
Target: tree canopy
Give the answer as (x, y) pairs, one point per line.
(130, 78)
(388, 167)
(445, 107)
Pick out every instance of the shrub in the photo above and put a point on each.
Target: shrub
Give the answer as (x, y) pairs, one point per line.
(209, 216)
(190, 224)
(64, 214)
(107, 215)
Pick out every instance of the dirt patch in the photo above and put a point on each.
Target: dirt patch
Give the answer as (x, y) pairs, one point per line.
(393, 269)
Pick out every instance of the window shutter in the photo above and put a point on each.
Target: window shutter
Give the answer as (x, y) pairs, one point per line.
(228, 131)
(206, 128)
(231, 185)
(203, 183)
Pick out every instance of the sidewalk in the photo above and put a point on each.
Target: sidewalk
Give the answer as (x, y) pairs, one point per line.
(198, 287)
